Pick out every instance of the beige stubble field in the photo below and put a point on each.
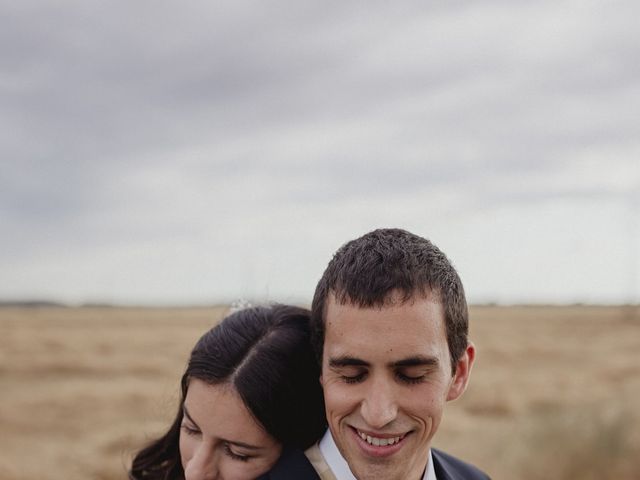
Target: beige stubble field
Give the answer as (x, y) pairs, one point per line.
(554, 392)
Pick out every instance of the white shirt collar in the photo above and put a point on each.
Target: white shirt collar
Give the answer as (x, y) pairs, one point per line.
(340, 467)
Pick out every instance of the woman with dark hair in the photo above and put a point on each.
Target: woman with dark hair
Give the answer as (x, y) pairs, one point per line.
(250, 390)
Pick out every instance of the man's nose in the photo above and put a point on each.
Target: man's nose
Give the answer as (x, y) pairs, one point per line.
(203, 465)
(379, 407)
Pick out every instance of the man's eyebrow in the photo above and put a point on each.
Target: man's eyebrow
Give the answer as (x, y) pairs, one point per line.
(417, 361)
(231, 442)
(347, 361)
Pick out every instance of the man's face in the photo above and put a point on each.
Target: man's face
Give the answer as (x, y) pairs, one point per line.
(386, 374)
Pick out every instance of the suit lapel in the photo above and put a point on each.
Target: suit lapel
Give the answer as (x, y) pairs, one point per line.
(440, 466)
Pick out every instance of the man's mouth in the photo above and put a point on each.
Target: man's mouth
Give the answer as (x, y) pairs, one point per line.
(381, 445)
(380, 441)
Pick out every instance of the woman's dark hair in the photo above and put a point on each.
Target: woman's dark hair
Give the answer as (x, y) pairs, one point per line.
(264, 352)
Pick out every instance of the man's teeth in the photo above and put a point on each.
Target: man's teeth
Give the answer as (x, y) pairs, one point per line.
(379, 442)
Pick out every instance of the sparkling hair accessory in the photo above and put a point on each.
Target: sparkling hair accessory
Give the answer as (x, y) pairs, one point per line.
(239, 304)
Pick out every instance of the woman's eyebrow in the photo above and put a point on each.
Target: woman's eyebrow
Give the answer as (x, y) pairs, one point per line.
(186, 414)
(230, 442)
(242, 445)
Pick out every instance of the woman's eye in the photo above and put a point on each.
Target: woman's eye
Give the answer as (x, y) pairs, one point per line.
(235, 456)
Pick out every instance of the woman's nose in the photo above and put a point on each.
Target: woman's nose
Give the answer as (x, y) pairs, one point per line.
(202, 466)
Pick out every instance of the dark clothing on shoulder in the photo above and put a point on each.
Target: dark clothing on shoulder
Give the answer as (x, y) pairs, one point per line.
(450, 468)
(293, 465)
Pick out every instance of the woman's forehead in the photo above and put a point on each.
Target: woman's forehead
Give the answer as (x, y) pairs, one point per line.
(218, 410)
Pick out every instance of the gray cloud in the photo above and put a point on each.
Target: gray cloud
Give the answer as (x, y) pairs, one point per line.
(128, 125)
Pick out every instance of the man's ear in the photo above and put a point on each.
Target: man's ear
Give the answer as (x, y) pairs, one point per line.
(463, 371)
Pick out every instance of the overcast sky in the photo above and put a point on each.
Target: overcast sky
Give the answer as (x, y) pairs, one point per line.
(170, 152)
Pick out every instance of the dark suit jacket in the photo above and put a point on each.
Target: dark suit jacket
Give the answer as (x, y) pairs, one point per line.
(293, 465)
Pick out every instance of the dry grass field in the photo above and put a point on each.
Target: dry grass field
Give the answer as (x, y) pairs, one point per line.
(554, 393)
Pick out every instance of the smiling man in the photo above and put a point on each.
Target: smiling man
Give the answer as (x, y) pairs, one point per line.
(390, 325)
